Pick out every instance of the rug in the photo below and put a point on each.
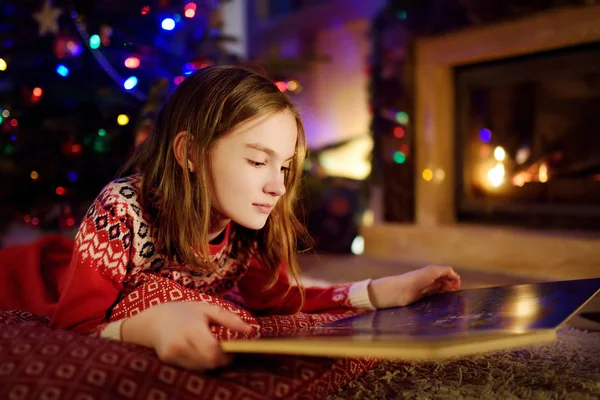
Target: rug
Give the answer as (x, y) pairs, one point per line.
(566, 369)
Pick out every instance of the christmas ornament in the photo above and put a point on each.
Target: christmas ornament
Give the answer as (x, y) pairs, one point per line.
(47, 19)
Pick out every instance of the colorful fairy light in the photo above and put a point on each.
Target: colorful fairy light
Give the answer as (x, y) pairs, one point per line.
(402, 118)
(399, 132)
(95, 42)
(130, 83)
(485, 135)
(122, 119)
(427, 174)
(399, 157)
(62, 70)
(132, 62)
(168, 24)
(282, 86)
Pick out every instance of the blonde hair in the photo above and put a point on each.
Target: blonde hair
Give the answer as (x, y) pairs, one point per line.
(209, 104)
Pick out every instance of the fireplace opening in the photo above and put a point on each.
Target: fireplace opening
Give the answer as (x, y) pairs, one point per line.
(528, 140)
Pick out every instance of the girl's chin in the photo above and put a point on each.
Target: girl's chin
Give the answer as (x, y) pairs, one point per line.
(254, 224)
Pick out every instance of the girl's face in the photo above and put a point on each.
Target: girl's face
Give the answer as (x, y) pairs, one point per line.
(249, 165)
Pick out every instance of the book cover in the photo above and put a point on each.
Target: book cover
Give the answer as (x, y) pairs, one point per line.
(443, 325)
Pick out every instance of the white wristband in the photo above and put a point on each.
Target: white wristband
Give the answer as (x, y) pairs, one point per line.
(359, 295)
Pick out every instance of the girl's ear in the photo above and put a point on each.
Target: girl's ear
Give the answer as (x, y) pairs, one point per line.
(179, 150)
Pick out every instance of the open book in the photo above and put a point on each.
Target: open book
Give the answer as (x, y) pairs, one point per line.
(441, 326)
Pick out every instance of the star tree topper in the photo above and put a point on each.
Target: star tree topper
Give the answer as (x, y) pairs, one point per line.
(48, 19)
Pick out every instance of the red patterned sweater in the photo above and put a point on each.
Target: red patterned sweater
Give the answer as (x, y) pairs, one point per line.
(114, 258)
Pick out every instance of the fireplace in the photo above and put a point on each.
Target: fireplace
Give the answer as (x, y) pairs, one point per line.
(464, 222)
(528, 140)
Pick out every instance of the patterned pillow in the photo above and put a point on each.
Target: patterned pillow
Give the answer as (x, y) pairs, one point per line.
(37, 362)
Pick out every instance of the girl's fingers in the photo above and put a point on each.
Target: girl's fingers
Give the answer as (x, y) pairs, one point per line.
(205, 350)
(445, 271)
(433, 288)
(450, 285)
(220, 316)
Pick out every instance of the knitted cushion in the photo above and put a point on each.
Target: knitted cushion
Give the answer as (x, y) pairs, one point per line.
(37, 362)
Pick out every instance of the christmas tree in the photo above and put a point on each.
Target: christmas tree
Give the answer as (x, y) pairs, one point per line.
(80, 83)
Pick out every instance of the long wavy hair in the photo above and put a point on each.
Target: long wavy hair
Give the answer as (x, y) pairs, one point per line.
(209, 104)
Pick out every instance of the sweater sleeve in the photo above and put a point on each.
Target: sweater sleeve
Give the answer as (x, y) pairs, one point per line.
(98, 266)
(285, 298)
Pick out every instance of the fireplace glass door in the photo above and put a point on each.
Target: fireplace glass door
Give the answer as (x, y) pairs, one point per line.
(528, 140)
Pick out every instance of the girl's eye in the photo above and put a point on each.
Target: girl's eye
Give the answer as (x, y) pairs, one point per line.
(285, 170)
(256, 163)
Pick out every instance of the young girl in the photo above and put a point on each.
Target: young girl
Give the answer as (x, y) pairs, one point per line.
(206, 205)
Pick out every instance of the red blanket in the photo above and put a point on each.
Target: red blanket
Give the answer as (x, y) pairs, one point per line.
(36, 361)
(31, 274)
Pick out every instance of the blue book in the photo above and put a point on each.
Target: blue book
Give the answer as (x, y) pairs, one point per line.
(444, 325)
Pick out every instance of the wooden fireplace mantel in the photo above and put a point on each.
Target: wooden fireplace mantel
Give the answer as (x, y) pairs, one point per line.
(435, 236)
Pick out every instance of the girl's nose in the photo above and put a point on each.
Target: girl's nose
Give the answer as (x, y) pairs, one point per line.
(276, 185)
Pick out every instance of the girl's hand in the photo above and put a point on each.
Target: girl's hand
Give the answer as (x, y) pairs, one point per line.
(402, 290)
(180, 333)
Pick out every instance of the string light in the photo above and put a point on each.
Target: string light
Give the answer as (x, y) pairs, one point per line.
(130, 83)
(103, 62)
(95, 42)
(190, 6)
(62, 70)
(168, 24)
(427, 174)
(188, 68)
(485, 135)
(34, 175)
(282, 86)
(399, 132)
(368, 218)
(402, 118)
(132, 62)
(122, 119)
(76, 148)
(440, 174)
(399, 157)
(145, 10)
(3, 64)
